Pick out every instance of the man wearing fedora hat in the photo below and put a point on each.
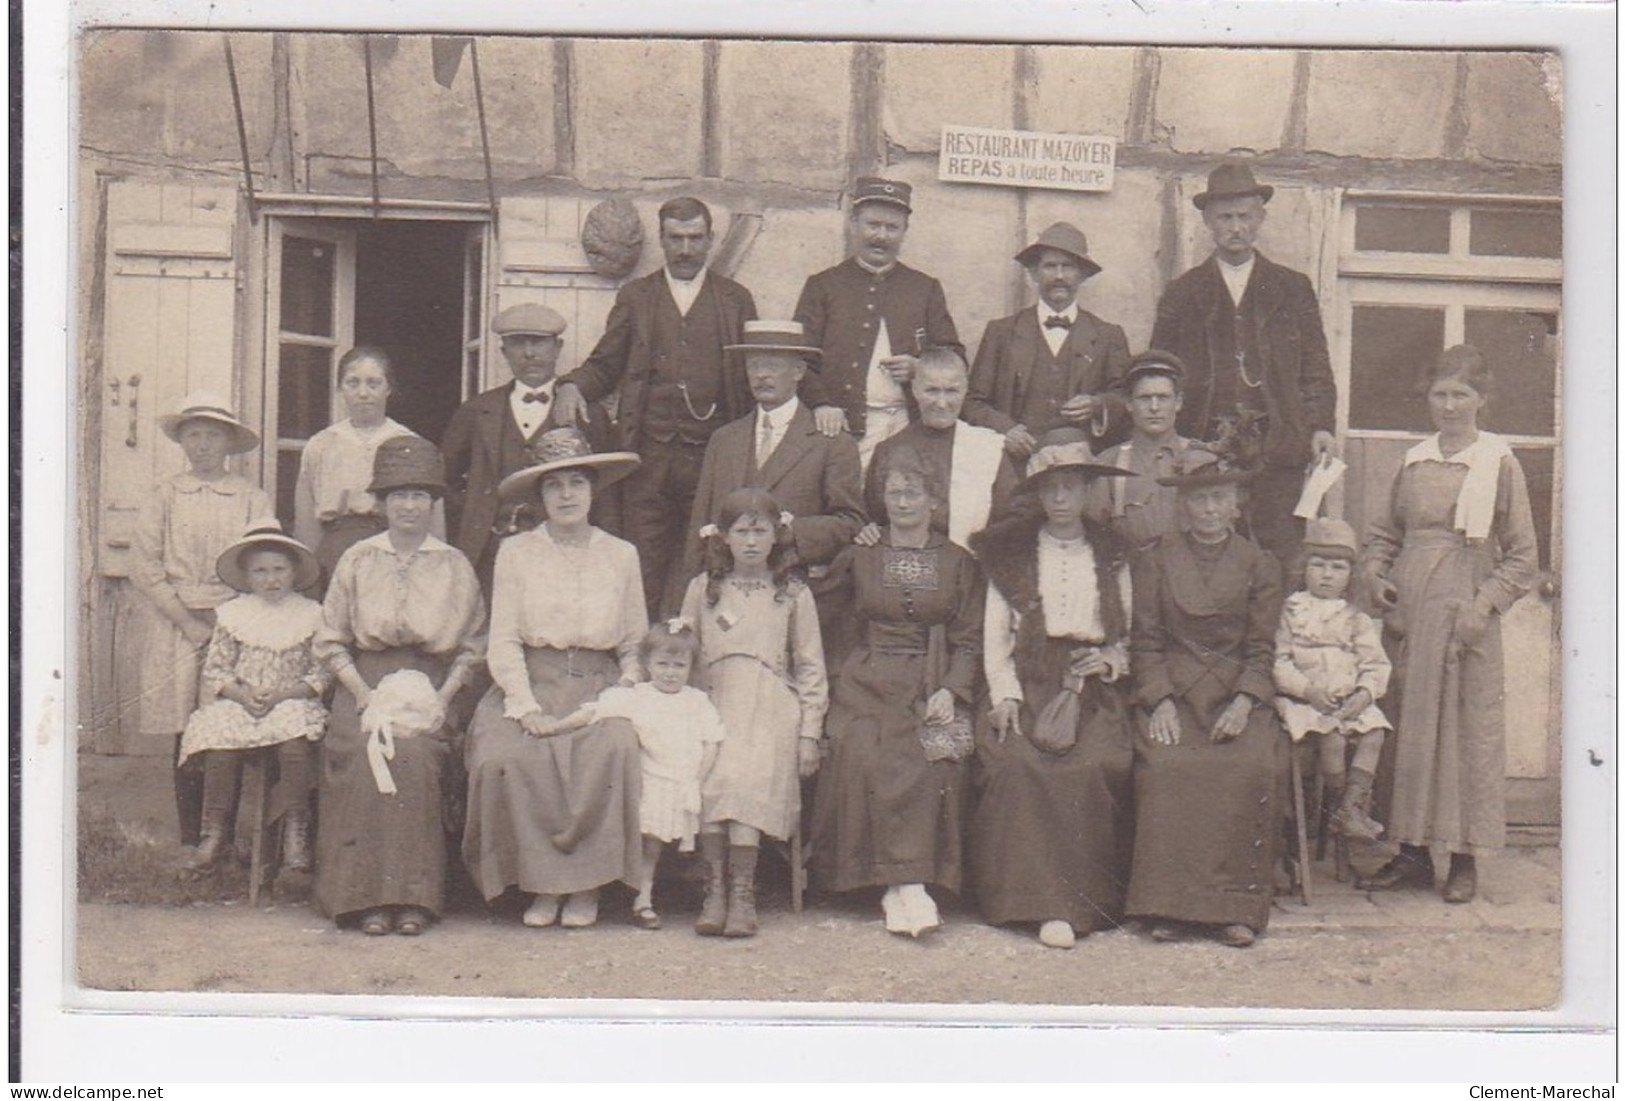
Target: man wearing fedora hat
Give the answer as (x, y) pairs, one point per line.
(1250, 335)
(1052, 364)
(871, 316)
(661, 354)
(491, 434)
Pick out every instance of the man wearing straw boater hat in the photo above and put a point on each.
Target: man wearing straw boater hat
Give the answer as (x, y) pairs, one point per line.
(661, 355)
(491, 434)
(1054, 363)
(871, 317)
(777, 446)
(1250, 335)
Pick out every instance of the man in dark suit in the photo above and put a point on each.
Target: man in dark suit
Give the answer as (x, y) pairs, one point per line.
(1053, 364)
(1250, 335)
(661, 353)
(490, 435)
(871, 317)
(777, 446)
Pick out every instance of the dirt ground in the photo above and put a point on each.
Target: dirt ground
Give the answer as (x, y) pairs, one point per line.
(1347, 951)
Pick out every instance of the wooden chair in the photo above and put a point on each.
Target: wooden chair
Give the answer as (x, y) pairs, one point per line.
(262, 806)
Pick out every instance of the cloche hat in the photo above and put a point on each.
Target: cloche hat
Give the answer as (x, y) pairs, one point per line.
(407, 462)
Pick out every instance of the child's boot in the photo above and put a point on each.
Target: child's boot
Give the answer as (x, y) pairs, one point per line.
(714, 912)
(293, 878)
(219, 796)
(1353, 818)
(741, 891)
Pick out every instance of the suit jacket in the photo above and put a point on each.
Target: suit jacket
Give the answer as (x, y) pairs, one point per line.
(840, 307)
(1094, 356)
(476, 464)
(812, 476)
(1299, 392)
(624, 357)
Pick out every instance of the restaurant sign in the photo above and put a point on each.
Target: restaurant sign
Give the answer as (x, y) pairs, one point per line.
(1026, 158)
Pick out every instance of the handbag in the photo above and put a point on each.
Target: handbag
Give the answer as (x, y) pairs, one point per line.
(953, 740)
(1056, 730)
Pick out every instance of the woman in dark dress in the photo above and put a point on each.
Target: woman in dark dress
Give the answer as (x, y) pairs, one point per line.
(1050, 835)
(1208, 761)
(890, 803)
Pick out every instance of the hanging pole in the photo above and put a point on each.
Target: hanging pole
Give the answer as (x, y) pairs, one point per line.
(372, 124)
(242, 130)
(485, 139)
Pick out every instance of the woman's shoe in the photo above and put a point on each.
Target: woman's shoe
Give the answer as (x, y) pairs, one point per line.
(1056, 934)
(645, 917)
(920, 909)
(1407, 870)
(412, 922)
(1166, 932)
(377, 923)
(542, 912)
(580, 909)
(1462, 883)
(714, 911)
(741, 892)
(1236, 936)
(891, 903)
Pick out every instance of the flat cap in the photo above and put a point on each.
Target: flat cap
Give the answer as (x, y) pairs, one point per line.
(529, 318)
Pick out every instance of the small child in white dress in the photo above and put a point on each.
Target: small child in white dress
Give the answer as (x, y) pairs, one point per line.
(261, 686)
(1330, 669)
(679, 732)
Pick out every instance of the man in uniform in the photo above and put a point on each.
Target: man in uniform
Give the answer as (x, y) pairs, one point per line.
(1052, 364)
(489, 436)
(1250, 335)
(871, 317)
(662, 354)
(1139, 509)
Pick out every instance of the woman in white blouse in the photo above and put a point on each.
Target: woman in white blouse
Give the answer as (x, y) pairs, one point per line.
(332, 509)
(1050, 837)
(557, 816)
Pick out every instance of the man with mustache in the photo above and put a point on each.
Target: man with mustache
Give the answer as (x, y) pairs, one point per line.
(871, 317)
(1053, 364)
(1249, 333)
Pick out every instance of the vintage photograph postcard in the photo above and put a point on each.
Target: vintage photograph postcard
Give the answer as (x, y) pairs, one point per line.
(598, 525)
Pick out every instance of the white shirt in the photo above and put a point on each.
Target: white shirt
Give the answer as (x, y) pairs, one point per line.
(529, 415)
(1236, 276)
(1053, 335)
(771, 425)
(684, 291)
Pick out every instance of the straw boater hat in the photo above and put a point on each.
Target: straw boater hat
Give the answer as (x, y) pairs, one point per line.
(1066, 237)
(407, 462)
(1156, 362)
(775, 336)
(566, 449)
(873, 189)
(205, 405)
(1197, 468)
(1231, 180)
(529, 318)
(266, 534)
(1328, 538)
(1067, 449)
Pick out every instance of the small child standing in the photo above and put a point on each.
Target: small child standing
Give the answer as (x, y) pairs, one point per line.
(679, 732)
(1330, 669)
(261, 687)
(762, 660)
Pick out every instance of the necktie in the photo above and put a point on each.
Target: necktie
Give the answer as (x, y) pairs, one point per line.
(538, 395)
(764, 443)
(1056, 321)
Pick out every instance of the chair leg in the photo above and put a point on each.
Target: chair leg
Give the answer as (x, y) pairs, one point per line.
(798, 872)
(1302, 829)
(256, 796)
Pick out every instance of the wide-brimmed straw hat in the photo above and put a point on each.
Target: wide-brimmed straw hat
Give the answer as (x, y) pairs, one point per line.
(1330, 538)
(1067, 449)
(1064, 237)
(566, 449)
(788, 337)
(407, 462)
(266, 534)
(1231, 180)
(206, 405)
(1197, 468)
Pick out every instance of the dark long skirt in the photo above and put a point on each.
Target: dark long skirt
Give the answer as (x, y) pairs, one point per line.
(1051, 834)
(883, 815)
(1208, 820)
(373, 849)
(553, 815)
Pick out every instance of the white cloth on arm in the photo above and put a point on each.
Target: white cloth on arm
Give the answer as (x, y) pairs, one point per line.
(1475, 504)
(972, 467)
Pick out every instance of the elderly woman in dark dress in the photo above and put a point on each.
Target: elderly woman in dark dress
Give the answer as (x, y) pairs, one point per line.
(557, 816)
(1455, 550)
(1050, 836)
(890, 803)
(398, 600)
(1208, 761)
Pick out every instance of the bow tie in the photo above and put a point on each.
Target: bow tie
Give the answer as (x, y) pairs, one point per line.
(538, 395)
(1057, 321)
